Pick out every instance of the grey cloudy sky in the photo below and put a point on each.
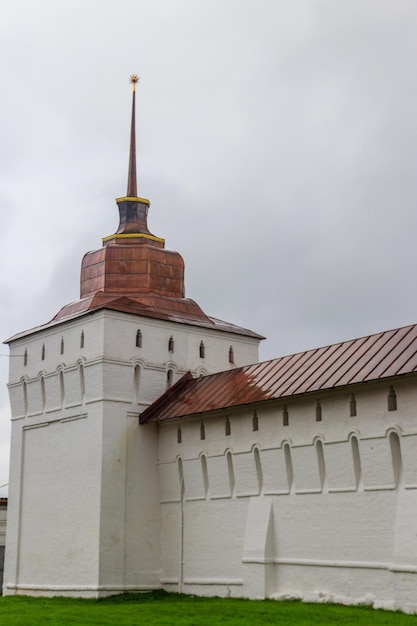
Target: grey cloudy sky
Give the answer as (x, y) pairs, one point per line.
(277, 143)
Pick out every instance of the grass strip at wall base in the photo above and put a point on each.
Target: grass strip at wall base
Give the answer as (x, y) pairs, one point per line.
(160, 609)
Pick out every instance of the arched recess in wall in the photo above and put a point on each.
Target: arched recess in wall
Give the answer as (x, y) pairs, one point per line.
(203, 460)
(170, 377)
(81, 376)
(357, 466)
(230, 472)
(258, 467)
(136, 382)
(201, 371)
(288, 464)
(61, 387)
(181, 477)
(43, 393)
(25, 396)
(397, 463)
(82, 382)
(321, 463)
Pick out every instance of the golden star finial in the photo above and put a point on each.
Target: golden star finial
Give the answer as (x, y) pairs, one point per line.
(134, 78)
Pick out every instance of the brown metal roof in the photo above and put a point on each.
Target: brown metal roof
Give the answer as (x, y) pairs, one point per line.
(384, 355)
(179, 310)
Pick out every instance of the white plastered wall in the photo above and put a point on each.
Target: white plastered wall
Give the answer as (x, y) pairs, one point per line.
(337, 524)
(84, 505)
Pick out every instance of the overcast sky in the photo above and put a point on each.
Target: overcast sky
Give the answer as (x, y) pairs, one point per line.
(277, 143)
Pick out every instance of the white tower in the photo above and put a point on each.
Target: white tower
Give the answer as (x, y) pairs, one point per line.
(84, 505)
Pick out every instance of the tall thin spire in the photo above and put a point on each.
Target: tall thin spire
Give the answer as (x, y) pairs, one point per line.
(132, 190)
(133, 211)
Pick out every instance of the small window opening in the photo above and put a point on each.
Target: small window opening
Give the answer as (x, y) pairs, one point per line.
(231, 355)
(285, 419)
(43, 352)
(392, 399)
(202, 431)
(171, 344)
(179, 435)
(255, 421)
(318, 411)
(139, 339)
(227, 427)
(170, 378)
(352, 406)
(82, 339)
(62, 346)
(25, 358)
(202, 350)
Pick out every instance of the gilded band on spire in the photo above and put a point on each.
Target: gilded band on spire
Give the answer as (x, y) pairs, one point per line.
(131, 180)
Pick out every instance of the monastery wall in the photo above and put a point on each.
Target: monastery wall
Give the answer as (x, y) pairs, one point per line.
(294, 500)
(84, 506)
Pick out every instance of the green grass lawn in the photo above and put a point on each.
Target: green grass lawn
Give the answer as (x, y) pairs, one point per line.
(160, 608)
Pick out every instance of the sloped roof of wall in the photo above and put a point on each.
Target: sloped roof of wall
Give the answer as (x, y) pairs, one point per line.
(384, 355)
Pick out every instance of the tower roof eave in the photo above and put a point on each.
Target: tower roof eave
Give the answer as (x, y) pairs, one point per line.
(177, 310)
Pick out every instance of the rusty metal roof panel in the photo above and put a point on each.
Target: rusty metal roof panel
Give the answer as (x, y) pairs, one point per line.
(324, 358)
(410, 365)
(332, 372)
(359, 359)
(266, 373)
(378, 356)
(293, 367)
(355, 351)
(397, 352)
